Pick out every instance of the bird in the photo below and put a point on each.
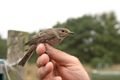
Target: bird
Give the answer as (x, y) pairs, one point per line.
(51, 36)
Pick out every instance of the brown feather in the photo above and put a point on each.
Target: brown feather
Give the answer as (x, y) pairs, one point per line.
(51, 36)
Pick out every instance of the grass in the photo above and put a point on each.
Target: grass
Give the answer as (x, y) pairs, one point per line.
(30, 72)
(105, 77)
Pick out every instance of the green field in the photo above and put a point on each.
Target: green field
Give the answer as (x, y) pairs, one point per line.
(105, 76)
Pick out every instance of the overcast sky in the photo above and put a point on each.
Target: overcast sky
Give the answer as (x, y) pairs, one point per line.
(33, 15)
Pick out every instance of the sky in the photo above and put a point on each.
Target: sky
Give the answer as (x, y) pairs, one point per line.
(33, 15)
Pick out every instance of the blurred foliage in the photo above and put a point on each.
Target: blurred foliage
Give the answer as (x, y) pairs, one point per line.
(96, 39)
(3, 47)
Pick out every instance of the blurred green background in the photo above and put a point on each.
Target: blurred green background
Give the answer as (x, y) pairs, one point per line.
(96, 41)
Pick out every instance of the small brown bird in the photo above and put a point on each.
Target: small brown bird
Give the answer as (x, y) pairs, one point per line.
(51, 36)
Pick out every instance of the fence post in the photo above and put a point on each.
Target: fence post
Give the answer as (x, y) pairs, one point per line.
(16, 49)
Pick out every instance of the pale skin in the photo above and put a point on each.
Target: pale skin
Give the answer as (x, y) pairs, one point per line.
(58, 65)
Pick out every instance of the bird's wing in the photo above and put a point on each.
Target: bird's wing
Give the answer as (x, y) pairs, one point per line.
(41, 37)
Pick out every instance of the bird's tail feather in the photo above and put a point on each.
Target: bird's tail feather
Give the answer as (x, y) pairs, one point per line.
(27, 56)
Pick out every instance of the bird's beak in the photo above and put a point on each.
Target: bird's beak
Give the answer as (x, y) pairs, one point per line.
(71, 32)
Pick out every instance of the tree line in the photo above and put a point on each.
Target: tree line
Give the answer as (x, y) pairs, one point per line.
(96, 38)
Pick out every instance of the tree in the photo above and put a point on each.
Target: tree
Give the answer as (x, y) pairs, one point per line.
(3, 47)
(96, 38)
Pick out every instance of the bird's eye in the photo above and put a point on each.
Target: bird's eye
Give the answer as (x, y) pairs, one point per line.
(62, 31)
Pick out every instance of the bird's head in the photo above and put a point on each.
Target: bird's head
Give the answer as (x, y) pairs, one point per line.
(64, 32)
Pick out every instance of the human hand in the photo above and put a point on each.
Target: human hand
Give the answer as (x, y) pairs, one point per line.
(58, 65)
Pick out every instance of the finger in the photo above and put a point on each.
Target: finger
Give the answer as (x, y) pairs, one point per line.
(42, 60)
(40, 49)
(46, 70)
(60, 56)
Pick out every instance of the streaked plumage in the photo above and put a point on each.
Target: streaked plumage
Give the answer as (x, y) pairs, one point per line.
(51, 36)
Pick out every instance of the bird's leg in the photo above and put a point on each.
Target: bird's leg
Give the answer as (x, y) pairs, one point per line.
(45, 47)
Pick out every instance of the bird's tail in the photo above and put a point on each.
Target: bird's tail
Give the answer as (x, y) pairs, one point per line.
(27, 56)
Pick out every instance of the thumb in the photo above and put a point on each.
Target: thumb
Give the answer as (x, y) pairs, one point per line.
(60, 56)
